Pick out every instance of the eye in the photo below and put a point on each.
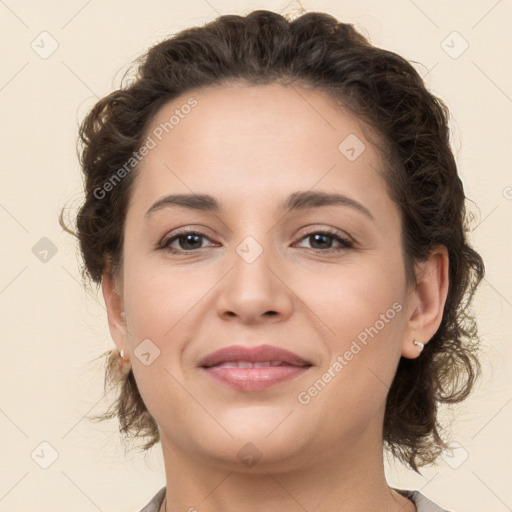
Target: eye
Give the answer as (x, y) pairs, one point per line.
(321, 239)
(187, 241)
(190, 241)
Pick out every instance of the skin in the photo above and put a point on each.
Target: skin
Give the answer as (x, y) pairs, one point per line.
(250, 147)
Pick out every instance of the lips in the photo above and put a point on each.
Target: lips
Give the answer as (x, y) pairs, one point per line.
(249, 364)
(253, 368)
(249, 357)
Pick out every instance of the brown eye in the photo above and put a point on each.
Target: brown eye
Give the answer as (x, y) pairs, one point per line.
(323, 240)
(187, 241)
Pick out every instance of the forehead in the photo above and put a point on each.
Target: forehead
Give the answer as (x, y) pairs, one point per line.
(254, 115)
(243, 139)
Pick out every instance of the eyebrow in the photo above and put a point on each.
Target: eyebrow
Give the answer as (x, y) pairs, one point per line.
(296, 201)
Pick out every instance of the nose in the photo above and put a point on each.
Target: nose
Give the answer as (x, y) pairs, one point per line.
(255, 290)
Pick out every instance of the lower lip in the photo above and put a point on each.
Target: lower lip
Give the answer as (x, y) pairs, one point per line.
(255, 379)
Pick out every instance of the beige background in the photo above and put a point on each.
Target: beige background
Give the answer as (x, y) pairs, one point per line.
(52, 329)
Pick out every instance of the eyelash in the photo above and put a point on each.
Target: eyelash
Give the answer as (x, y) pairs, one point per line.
(345, 243)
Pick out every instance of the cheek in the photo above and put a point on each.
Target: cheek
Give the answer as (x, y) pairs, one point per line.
(157, 296)
(360, 311)
(350, 389)
(349, 297)
(157, 303)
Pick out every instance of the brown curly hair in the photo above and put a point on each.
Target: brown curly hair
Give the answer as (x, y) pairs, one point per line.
(383, 89)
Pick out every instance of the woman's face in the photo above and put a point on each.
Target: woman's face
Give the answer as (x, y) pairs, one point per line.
(257, 274)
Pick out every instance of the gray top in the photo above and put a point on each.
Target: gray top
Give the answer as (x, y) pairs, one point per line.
(423, 504)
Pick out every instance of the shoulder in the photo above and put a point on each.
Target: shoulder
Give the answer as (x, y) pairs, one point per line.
(423, 504)
(156, 502)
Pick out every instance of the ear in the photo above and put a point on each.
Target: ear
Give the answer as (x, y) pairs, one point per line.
(114, 305)
(426, 301)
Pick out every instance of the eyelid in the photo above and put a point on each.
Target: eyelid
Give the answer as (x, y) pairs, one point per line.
(312, 229)
(184, 230)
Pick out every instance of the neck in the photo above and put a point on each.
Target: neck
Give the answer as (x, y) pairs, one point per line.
(349, 478)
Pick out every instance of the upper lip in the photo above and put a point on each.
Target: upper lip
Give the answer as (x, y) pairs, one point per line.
(262, 353)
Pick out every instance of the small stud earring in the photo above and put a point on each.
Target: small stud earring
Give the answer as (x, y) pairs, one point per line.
(123, 314)
(419, 344)
(121, 353)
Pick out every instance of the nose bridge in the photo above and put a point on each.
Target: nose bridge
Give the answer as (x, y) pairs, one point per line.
(253, 287)
(255, 249)
(252, 260)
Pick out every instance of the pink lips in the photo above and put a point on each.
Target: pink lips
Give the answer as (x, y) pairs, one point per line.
(253, 368)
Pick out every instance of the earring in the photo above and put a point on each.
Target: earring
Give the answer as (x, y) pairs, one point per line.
(121, 353)
(419, 344)
(123, 314)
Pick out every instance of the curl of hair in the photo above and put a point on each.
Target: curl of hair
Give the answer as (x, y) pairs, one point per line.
(383, 89)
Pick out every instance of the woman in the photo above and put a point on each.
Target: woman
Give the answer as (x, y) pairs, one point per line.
(320, 312)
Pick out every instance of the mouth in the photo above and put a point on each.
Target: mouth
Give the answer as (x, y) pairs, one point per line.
(253, 368)
(250, 364)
